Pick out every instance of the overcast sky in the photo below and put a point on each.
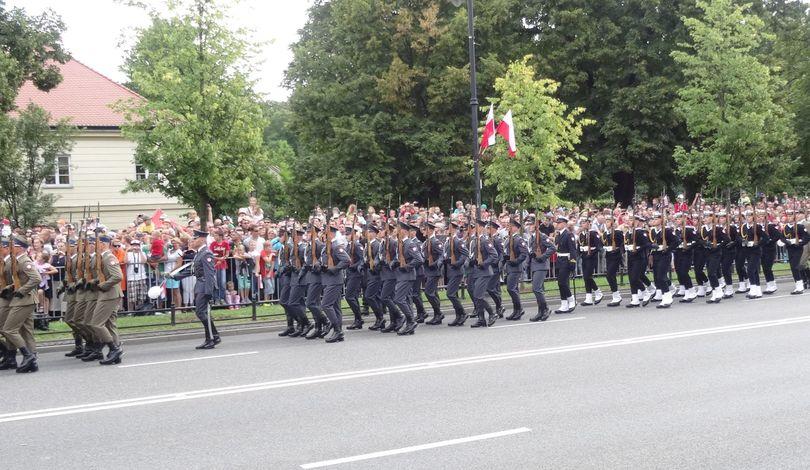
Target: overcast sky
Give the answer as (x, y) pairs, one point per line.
(96, 27)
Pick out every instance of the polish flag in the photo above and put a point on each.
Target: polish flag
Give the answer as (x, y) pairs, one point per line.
(506, 129)
(488, 139)
(156, 216)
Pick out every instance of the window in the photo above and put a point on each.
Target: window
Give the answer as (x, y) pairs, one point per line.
(61, 173)
(141, 173)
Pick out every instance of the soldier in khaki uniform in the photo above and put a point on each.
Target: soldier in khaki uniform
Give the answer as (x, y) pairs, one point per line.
(70, 299)
(18, 328)
(80, 305)
(107, 285)
(7, 350)
(93, 352)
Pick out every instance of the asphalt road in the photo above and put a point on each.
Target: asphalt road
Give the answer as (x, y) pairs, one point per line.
(694, 386)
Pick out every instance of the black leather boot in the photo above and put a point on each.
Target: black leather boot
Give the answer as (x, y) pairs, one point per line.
(113, 355)
(9, 360)
(95, 353)
(315, 333)
(29, 362)
(76, 350)
(356, 325)
(336, 336)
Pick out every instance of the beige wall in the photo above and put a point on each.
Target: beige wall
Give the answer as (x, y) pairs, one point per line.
(100, 164)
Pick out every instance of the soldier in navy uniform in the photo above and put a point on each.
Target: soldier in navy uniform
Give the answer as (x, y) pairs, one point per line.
(664, 241)
(754, 236)
(433, 249)
(683, 258)
(636, 244)
(769, 256)
(333, 262)
(482, 257)
(515, 253)
(728, 254)
(566, 264)
(373, 267)
(713, 238)
(354, 279)
(312, 278)
(455, 258)
(202, 268)
(614, 248)
(590, 244)
(494, 287)
(410, 251)
(795, 237)
(540, 251)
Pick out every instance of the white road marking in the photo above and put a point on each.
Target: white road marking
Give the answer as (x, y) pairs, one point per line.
(767, 297)
(201, 358)
(536, 323)
(318, 379)
(405, 450)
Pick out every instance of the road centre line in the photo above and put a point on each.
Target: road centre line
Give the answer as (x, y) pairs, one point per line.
(405, 450)
(201, 358)
(318, 379)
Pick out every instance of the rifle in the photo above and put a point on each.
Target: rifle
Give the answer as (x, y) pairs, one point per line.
(80, 248)
(313, 237)
(537, 245)
(3, 283)
(369, 250)
(297, 256)
(479, 255)
(400, 250)
(795, 227)
(15, 278)
(429, 252)
(353, 238)
(330, 263)
(452, 246)
(387, 242)
(69, 277)
(664, 220)
(100, 276)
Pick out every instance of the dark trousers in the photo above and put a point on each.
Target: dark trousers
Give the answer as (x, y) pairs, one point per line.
(203, 311)
(453, 285)
(768, 258)
(683, 263)
(794, 256)
(539, 289)
(700, 264)
(661, 262)
(296, 302)
(403, 291)
(752, 256)
(613, 262)
(331, 304)
(513, 288)
(494, 289)
(353, 284)
(563, 275)
(635, 271)
(478, 291)
(416, 295)
(284, 297)
(739, 262)
(372, 295)
(313, 303)
(432, 293)
(588, 270)
(713, 268)
(387, 298)
(726, 262)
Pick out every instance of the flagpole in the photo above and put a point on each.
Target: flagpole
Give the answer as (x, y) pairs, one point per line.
(474, 108)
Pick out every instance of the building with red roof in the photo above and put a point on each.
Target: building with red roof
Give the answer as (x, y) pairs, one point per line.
(101, 161)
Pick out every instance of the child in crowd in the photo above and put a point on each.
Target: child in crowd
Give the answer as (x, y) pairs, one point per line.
(232, 298)
(46, 270)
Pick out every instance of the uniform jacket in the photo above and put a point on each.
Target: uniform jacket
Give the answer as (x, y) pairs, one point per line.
(433, 253)
(111, 267)
(547, 248)
(637, 242)
(714, 237)
(455, 247)
(411, 250)
(516, 253)
(613, 242)
(747, 233)
(566, 245)
(658, 236)
(355, 269)
(340, 261)
(488, 255)
(590, 243)
(313, 271)
(29, 281)
(789, 235)
(203, 268)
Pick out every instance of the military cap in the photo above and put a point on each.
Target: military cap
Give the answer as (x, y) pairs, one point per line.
(515, 222)
(404, 225)
(455, 224)
(430, 224)
(494, 223)
(482, 222)
(199, 234)
(721, 214)
(3, 242)
(656, 215)
(20, 241)
(372, 228)
(562, 219)
(73, 242)
(300, 230)
(640, 218)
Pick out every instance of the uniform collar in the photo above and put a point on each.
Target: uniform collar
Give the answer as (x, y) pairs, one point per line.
(21, 255)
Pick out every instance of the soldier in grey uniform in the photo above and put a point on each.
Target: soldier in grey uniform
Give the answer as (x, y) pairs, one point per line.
(202, 268)
(405, 274)
(482, 257)
(283, 275)
(515, 253)
(18, 328)
(540, 250)
(494, 287)
(434, 260)
(332, 281)
(373, 267)
(455, 259)
(416, 294)
(312, 279)
(354, 279)
(298, 286)
(389, 281)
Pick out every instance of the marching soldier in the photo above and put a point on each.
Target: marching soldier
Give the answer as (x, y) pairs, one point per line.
(754, 236)
(566, 264)
(8, 358)
(354, 279)
(334, 260)
(455, 259)
(795, 237)
(388, 276)
(434, 260)
(663, 240)
(312, 279)
(373, 267)
(728, 254)
(298, 285)
(516, 254)
(494, 287)
(416, 295)
(482, 256)
(614, 246)
(637, 242)
(108, 285)
(683, 257)
(18, 327)
(408, 259)
(699, 255)
(713, 238)
(540, 251)
(590, 243)
(93, 352)
(740, 258)
(283, 275)
(769, 256)
(70, 301)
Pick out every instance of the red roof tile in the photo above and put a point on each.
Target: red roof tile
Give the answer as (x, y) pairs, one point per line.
(84, 95)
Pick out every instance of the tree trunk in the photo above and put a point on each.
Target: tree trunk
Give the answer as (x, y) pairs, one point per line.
(625, 188)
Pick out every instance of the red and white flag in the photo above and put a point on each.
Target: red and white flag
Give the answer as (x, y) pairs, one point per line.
(488, 139)
(506, 129)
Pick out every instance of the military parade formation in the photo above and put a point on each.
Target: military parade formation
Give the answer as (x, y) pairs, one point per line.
(384, 265)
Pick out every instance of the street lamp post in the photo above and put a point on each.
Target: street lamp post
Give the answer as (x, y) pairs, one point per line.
(473, 103)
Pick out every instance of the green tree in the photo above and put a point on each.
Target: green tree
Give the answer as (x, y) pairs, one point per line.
(199, 133)
(742, 135)
(546, 133)
(27, 44)
(29, 145)
(380, 97)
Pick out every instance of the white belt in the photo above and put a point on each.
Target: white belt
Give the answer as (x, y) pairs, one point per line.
(608, 249)
(584, 249)
(630, 247)
(563, 255)
(791, 241)
(749, 244)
